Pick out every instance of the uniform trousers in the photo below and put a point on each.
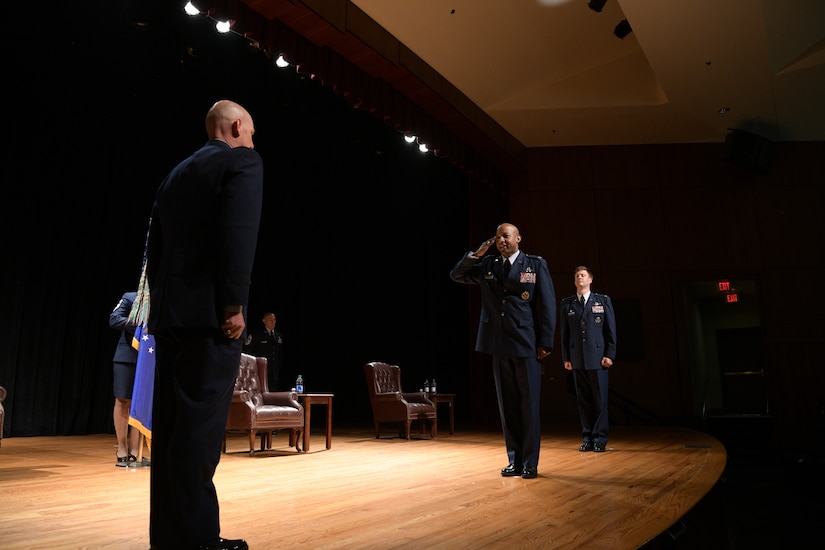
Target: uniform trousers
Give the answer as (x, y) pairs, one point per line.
(195, 372)
(592, 399)
(518, 388)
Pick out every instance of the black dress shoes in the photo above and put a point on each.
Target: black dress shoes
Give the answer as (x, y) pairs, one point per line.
(220, 544)
(598, 447)
(586, 446)
(226, 544)
(529, 472)
(511, 471)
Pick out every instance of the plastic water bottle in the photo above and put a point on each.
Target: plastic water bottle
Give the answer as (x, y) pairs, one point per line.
(299, 384)
(432, 387)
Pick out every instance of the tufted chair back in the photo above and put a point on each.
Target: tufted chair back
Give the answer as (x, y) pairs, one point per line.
(260, 412)
(386, 378)
(390, 404)
(249, 379)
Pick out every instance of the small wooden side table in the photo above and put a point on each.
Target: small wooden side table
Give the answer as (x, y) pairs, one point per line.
(445, 398)
(308, 400)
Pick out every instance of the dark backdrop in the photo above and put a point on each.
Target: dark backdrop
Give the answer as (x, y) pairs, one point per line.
(359, 228)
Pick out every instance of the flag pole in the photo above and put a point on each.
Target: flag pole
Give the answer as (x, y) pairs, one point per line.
(143, 380)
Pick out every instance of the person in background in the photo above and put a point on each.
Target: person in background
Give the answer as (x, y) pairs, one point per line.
(267, 342)
(517, 327)
(199, 257)
(588, 349)
(124, 366)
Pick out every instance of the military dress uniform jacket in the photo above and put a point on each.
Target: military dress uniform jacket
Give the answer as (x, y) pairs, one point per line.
(260, 344)
(518, 312)
(119, 320)
(590, 334)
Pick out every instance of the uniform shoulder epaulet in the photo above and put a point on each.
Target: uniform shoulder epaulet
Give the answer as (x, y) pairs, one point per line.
(534, 256)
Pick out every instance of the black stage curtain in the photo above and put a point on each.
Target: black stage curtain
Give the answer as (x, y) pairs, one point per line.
(102, 110)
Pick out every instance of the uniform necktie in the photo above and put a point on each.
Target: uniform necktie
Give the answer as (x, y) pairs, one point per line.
(581, 301)
(506, 266)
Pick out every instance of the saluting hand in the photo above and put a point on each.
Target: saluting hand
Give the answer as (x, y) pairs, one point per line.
(482, 249)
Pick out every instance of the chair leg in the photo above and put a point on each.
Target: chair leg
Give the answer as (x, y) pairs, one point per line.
(407, 429)
(252, 442)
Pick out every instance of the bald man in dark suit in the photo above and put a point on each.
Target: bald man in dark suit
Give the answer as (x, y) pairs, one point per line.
(201, 247)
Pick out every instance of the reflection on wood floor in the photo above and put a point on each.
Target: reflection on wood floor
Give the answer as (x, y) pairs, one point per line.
(367, 493)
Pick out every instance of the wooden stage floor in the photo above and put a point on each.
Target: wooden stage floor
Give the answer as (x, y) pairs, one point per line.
(64, 492)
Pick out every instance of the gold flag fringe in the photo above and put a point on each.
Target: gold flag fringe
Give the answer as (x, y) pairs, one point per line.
(140, 308)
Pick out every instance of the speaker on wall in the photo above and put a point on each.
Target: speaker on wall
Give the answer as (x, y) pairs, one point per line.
(748, 151)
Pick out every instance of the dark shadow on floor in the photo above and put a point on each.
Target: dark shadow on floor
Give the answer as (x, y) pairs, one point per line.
(765, 499)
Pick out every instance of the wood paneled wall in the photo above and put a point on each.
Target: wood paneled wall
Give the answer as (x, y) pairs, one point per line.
(649, 218)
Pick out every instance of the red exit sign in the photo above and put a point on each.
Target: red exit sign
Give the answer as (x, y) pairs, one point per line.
(731, 297)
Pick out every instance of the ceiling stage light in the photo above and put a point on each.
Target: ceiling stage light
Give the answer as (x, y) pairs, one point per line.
(190, 9)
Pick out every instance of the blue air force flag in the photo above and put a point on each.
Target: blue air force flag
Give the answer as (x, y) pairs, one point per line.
(140, 414)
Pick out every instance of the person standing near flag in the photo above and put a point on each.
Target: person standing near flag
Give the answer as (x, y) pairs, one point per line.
(199, 256)
(124, 365)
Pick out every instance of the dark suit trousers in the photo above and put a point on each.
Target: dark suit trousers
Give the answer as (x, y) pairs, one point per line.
(518, 388)
(592, 398)
(195, 373)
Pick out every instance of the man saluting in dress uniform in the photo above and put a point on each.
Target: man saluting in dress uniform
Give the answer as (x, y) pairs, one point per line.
(517, 327)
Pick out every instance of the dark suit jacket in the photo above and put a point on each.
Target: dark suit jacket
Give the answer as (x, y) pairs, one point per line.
(119, 320)
(518, 313)
(587, 336)
(202, 240)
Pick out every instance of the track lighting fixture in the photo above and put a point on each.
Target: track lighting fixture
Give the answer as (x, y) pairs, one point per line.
(596, 5)
(622, 29)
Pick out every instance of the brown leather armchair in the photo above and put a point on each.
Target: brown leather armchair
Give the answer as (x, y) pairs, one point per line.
(392, 405)
(258, 411)
(2, 411)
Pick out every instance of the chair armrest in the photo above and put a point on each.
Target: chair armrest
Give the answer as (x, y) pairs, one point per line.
(240, 396)
(282, 398)
(388, 397)
(416, 397)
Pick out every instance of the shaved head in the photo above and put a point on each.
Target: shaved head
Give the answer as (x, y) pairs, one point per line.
(228, 121)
